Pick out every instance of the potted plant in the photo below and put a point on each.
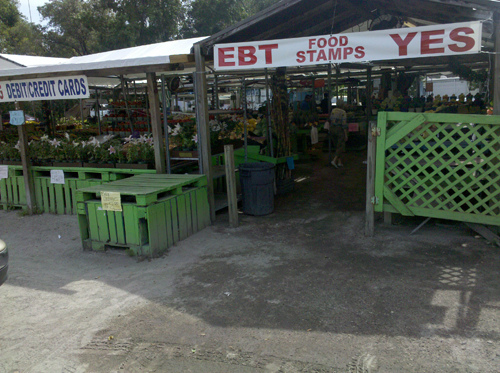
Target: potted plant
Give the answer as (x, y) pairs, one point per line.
(375, 105)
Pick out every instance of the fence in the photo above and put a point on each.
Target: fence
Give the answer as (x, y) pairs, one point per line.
(57, 198)
(437, 165)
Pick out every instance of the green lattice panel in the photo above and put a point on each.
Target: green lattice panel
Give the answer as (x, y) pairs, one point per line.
(443, 166)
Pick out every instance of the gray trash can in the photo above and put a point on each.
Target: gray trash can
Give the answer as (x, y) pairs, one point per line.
(257, 188)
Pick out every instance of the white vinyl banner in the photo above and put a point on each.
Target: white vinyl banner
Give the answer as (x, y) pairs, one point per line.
(414, 42)
(60, 88)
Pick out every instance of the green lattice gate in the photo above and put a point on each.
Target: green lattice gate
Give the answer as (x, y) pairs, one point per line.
(439, 165)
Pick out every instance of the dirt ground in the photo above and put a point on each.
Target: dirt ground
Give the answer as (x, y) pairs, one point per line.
(300, 290)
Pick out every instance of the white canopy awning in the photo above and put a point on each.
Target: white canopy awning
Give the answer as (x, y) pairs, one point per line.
(16, 61)
(134, 61)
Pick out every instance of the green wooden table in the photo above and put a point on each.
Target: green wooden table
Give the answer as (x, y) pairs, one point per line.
(157, 211)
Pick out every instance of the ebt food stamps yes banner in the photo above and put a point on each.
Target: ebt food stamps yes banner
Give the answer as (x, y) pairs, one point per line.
(59, 88)
(414, 42)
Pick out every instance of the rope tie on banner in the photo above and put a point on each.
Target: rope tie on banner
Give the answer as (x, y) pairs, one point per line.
(333, 16)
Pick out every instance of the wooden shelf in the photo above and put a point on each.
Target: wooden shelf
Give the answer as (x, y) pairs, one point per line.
(215, 112)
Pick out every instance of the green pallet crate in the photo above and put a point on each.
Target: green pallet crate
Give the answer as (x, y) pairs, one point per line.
(157, 211)
(12, 191)
(57, 198)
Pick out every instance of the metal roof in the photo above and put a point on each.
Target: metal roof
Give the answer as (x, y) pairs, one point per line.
(299, 18)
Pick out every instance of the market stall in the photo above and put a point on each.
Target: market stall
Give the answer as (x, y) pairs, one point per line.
(399, 46)
(45, 172)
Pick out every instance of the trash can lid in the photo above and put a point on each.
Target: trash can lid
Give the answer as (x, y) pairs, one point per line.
(258, 166)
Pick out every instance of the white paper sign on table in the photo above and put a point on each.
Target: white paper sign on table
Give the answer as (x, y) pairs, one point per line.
(57, 176)
(111, 201)
(4, 172)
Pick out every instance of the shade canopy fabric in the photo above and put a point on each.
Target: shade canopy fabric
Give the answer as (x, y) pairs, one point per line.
(107, 66)
(13, 61)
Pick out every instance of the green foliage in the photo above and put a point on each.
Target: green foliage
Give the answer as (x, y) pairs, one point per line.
(9, 151)
(40, 150)
(466, 72)
(75, 26)
(17, 36)
(102, 25)
(81, 27)
(139, 22)
(9, 14)
(207, 17)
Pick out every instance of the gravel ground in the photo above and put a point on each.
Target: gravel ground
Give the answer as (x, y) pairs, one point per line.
(300, 290)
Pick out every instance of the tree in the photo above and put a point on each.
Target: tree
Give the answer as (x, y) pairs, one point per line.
(147, 21)
(89, 26)
(17, 36)
(207, 17)
(75, 27)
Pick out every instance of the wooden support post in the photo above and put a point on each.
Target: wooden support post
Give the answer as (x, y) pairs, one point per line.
(154, 110)
(269, 126)
(387, 218)
(245, 119)
(28, 177)
(496, 82)
(165, 123)
(203, 128)
(369, 92)
(232, 201)
(1, 121)
(496, 71)
(370, 183)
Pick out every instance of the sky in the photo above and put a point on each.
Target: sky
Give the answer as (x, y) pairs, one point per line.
(24, 8)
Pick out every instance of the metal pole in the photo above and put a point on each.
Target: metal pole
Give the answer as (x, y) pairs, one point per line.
(245, 129)
(125, 98)
(51, 119)
(216, 88)
(165, 123)
(98, 111)
(330, 110)
(81, 111)
(337, 74)
(269, 127)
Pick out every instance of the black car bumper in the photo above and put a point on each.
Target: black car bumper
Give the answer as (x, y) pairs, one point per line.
(4, 260)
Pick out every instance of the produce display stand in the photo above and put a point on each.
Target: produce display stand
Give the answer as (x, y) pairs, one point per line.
(157, 211)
